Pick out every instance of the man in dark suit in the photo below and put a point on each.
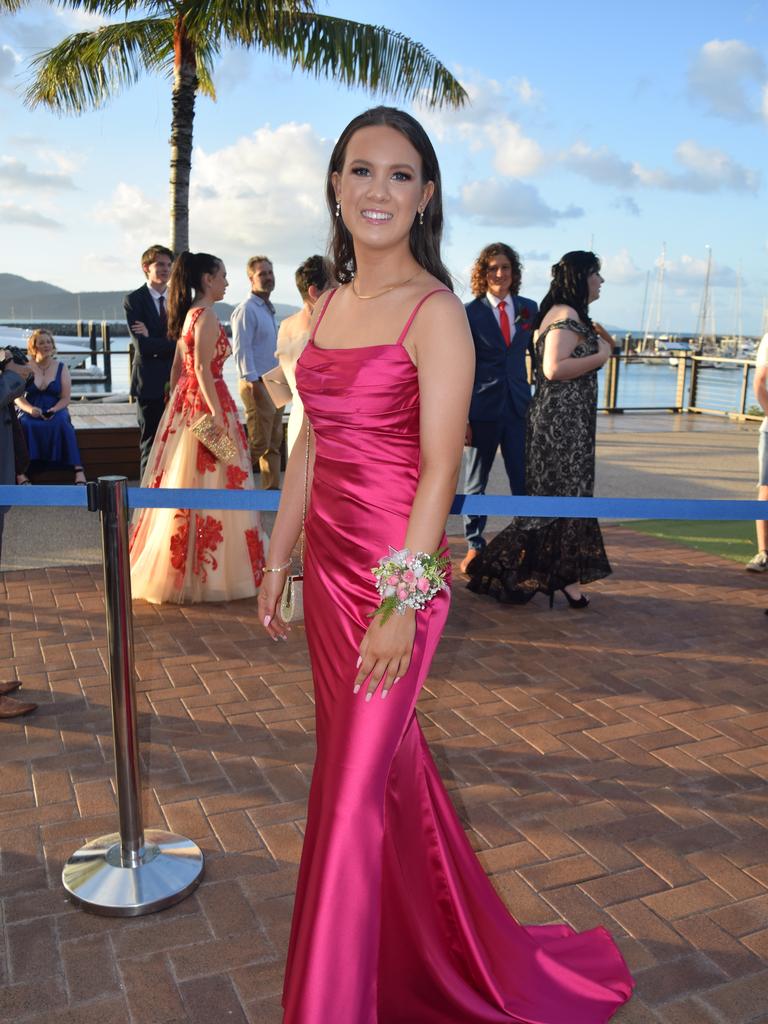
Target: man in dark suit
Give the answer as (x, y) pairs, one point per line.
(153, 350)
(501, 322)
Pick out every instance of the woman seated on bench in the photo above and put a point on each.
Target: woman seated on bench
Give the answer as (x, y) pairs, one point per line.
(43, 412)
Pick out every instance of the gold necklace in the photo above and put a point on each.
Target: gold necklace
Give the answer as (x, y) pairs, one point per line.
(384, 291)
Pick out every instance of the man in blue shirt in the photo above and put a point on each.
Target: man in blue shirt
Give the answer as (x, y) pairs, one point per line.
(254, 338)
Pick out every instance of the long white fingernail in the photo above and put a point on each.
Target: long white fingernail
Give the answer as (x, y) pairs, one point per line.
(384, 694)
(358, 663)
(396, 680)
(356, 689)
(368, 696)
(267, 619)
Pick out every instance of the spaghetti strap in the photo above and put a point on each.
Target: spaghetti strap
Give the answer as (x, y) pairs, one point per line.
(322, 314)
(411, 318)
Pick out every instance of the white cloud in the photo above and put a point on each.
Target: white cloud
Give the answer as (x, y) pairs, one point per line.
(704, 170)
(516, 156)
(599, 165)
(620, 268)
(8, 61)
(135, 213)
(24, 216)
(509, 203)
(487, 123)
(16, 174)
(263, 193)
(524, 90)
(692, 270)
(725, 76)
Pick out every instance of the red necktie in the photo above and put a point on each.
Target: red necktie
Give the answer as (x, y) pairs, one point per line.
(504, 323)
(164, 316)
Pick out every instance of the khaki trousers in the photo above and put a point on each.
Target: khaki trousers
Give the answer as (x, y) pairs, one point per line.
(264, 425)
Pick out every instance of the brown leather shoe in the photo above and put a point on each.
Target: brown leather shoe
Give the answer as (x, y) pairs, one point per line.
(6, 688)
(464, 563)
(10, 708)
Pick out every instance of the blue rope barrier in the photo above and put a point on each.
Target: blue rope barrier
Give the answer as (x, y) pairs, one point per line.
(476, 504)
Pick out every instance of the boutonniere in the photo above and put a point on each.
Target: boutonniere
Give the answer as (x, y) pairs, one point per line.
(524, 317)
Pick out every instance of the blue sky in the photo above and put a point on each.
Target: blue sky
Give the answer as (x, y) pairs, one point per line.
(616, 126)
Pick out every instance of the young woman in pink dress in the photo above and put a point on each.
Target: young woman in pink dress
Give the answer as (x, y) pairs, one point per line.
(186, 555)
(395, 921)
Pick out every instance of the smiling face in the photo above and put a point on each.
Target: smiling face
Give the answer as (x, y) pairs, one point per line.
(594, 283)
(380, 186)
(499, 276)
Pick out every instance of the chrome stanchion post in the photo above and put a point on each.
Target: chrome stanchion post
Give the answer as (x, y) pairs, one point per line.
(131, 872)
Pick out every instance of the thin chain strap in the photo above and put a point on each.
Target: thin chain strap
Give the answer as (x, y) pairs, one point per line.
(304, 509)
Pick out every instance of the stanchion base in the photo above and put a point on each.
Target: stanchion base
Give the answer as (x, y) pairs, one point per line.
(168, 868)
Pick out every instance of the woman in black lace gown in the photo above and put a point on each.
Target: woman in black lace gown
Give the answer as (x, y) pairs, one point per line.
(549, 554)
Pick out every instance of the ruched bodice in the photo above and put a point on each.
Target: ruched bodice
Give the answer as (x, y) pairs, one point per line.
(363, 401)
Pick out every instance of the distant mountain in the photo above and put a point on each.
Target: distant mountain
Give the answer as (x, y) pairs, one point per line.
(24, 301)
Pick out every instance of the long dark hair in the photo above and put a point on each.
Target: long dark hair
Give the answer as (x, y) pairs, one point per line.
(569, 285)
(425, 238)
(186, 278)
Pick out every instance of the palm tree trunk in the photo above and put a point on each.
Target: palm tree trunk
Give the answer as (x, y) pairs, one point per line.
(183, 106)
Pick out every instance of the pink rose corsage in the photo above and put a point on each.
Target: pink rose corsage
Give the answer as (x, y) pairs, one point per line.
(406, 580)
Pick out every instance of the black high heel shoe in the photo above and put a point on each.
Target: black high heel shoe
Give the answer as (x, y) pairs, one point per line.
(573, 602)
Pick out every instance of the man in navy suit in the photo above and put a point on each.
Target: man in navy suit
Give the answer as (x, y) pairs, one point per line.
(153, 350)
(501, 322)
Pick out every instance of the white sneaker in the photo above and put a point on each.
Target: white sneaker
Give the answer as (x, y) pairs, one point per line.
(759, 563)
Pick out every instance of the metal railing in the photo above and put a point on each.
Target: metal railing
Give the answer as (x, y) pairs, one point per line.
(678, 382)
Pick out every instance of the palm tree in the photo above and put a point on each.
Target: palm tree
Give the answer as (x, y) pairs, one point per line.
(183, 38)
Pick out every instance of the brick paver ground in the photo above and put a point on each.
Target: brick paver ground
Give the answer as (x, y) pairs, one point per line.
(610, 767)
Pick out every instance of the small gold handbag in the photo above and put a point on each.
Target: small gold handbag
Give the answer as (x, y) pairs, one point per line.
(214, 439)
(292, 598)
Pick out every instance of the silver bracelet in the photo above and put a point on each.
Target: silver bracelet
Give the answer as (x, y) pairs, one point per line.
(280, 568)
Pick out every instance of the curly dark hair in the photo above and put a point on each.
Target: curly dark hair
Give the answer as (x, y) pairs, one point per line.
(479, 281)
(424, 238)
(569, 286)
(186, 278)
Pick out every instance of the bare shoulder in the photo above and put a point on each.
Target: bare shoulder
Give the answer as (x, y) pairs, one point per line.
(439, 304)
(556, 314)
(440, 328)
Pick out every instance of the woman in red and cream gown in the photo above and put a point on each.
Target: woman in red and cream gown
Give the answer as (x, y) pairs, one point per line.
(185, 556)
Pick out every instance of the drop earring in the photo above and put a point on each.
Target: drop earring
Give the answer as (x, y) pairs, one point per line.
(338, 207)
(421, 218)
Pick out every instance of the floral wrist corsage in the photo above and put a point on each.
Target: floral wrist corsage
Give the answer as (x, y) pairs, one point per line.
(406, 580)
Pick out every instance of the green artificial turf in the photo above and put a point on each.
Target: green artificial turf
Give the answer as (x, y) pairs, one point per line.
(735, 540)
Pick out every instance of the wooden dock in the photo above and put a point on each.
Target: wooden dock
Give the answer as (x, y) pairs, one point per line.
(108, 438)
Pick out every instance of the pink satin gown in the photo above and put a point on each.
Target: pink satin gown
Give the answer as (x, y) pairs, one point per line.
(395, 921)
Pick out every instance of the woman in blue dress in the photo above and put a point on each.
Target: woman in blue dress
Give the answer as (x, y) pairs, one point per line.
(43, 412)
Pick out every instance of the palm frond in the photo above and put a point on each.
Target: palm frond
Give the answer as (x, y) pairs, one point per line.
(111, 7)
(87, 68)
(237, 20)
(350, 52)
(11, 6)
